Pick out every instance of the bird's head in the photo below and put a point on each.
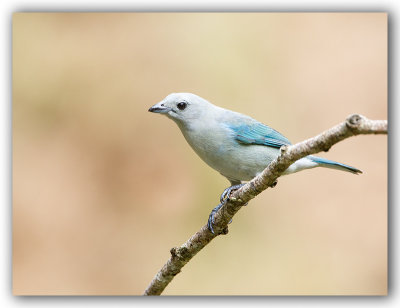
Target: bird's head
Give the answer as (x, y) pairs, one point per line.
(182, 107)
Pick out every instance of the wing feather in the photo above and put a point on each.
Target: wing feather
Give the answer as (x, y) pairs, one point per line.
(260, 134)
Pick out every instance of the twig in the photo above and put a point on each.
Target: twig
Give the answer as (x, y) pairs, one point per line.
(354, 125)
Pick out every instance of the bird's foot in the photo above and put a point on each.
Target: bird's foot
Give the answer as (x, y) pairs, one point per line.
(225, 194)
(211, 220)
(224, 198)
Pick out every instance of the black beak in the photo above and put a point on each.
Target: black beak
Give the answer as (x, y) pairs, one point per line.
(155, 109)
(159, 108)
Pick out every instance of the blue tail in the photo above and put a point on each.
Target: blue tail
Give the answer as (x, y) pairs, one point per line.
(334, 165)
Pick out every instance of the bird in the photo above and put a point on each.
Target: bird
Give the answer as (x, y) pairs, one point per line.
(236, 145)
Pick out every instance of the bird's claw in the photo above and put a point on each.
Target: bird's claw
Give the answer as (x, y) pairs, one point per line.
(211, 218)
(225, 194)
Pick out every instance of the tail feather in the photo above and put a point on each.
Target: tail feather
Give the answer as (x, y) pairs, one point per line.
(334, 165)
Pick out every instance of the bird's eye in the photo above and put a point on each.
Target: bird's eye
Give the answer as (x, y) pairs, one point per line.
(181, 105)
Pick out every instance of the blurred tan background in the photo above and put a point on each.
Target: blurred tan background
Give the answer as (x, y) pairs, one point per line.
(102, 189)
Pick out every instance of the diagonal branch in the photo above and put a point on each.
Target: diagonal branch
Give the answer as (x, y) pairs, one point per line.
(354, 125)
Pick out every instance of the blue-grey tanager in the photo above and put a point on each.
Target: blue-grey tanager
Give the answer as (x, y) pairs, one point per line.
(235, 145)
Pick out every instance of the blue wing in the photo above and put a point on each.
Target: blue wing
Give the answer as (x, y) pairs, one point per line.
(258, 133)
